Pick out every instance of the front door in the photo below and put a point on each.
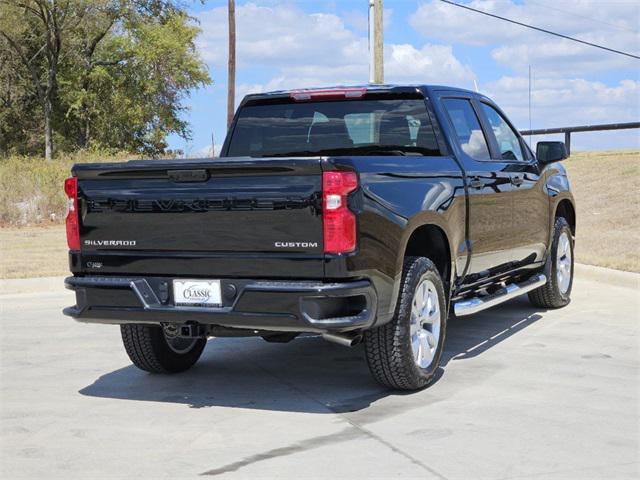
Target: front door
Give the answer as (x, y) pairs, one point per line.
(530, 231)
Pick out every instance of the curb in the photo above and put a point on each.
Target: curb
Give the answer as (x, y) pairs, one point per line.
(609, 276)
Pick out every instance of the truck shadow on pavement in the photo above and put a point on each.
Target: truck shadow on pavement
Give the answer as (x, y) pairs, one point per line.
(306, 375)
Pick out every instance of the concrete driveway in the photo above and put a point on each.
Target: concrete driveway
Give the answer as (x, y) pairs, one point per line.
(523, 393)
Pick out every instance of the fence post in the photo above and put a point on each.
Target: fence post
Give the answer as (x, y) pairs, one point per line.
(567, 142)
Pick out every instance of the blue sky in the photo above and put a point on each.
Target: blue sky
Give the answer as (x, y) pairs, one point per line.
(293, 44)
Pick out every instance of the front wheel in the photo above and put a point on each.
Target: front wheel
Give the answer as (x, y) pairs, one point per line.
(405, 353)
(150, 349)
(556, 292)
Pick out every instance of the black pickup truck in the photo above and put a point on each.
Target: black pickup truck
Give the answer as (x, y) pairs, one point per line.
(365, 213)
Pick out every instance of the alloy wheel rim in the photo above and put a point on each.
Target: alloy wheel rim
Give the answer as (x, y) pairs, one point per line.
(425, 323)
(563, 262)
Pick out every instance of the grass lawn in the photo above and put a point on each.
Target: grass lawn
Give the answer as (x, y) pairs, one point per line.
(606, 186)
(33, 252)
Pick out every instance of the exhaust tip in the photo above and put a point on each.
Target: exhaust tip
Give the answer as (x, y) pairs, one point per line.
(344, 339)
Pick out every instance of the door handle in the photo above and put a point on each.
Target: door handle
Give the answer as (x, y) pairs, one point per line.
(517, 181)
(476, 183)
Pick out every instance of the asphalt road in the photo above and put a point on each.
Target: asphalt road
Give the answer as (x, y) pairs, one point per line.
(523, 394)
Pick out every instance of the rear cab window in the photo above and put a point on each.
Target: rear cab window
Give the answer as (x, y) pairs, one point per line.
(363, 126)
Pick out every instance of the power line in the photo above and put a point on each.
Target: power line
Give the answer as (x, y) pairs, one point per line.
(573, 14)
(542, 30)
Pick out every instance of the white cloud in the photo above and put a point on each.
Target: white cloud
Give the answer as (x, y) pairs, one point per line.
(612, 24)
(357, 20)
(430, 64)
(561, 103)
(283, 47)
(557, 103)
(616, 20)
(561, 95)
(316, 49)
(276, 36)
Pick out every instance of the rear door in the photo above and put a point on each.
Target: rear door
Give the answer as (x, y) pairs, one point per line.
(530, 229)
(489, 187)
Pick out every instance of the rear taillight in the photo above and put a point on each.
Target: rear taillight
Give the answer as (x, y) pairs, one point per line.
(339, 223)
(72, 220)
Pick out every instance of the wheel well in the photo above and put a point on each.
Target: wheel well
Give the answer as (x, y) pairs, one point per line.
(430, 241)
(565, 209)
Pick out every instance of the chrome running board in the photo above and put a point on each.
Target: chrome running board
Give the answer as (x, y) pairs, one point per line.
(469, 306)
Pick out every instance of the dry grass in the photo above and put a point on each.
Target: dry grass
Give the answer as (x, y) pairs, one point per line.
(606, 186)
(31, 188)
(33, 252)
(607, 190)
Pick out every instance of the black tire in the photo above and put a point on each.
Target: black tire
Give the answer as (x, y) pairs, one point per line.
(551, 295)
(148, 349)
(388, 347)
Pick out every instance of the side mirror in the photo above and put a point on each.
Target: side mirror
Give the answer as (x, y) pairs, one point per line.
(549, 152)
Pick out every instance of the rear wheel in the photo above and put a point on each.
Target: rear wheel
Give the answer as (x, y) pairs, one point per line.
(556, 292)
(405, 353)
(151, 349)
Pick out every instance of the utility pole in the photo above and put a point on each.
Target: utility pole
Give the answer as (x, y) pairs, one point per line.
(231, 72)
(376, 42)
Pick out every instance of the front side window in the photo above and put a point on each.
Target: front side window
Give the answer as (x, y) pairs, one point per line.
(467, 128)
(508, 141)
(398, 126)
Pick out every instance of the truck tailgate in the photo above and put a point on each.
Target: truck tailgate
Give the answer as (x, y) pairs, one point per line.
(183, 209)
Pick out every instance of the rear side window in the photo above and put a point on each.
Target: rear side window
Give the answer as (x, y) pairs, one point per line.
(508, 142)
(467, 128)
(349, 127)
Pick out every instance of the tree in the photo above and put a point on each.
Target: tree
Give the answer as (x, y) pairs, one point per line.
(128, 90)
(44, 24)
(17, 97)
(106, 73)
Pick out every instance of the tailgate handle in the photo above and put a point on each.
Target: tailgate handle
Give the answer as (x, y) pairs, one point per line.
(188, 175)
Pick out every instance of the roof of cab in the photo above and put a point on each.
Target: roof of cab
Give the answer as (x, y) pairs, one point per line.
(369, 87)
